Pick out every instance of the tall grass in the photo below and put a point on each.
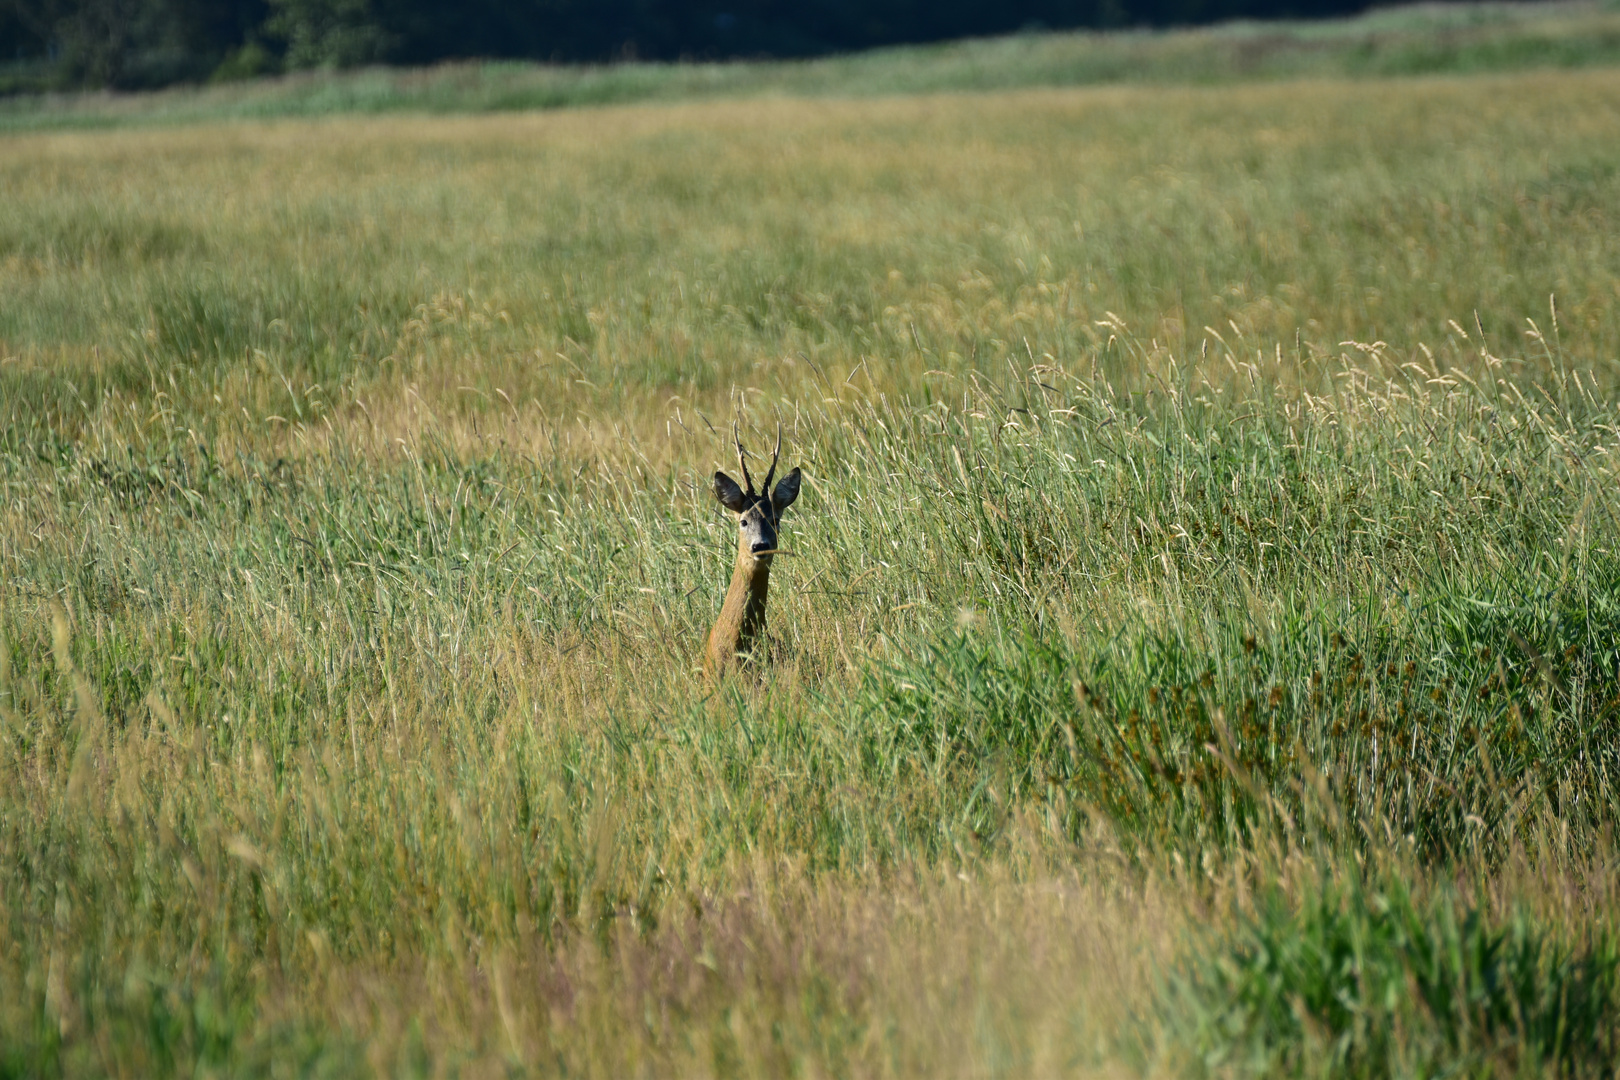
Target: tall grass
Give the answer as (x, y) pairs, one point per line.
(1196, 651)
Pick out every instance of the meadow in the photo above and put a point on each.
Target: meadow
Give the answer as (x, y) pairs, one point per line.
(1198, 650)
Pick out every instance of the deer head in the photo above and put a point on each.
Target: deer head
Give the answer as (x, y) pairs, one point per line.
(758, 514)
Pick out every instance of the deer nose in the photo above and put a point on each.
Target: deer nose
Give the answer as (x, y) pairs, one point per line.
(760, 546)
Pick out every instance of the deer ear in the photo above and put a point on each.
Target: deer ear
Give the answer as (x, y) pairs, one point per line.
(787, 489)
(729, 494)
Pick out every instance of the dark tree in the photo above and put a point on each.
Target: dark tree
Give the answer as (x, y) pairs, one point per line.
(125, 43)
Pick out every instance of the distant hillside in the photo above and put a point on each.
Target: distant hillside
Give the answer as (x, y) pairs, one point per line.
(1428, 39)
(144, 44)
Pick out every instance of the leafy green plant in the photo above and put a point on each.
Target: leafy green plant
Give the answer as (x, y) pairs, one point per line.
(1352, 977)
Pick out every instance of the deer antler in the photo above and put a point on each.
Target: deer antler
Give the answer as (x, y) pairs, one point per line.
(774, 455)
(748, 481)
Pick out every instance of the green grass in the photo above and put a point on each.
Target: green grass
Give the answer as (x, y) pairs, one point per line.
(1361, 978)
(1197, 651)
(1402, 41)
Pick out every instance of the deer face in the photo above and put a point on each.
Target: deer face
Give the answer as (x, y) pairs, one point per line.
(758, 514)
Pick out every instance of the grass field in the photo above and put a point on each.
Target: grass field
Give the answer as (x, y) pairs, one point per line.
(1199, 651)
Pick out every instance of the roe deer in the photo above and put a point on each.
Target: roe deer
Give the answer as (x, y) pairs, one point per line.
(742, 616)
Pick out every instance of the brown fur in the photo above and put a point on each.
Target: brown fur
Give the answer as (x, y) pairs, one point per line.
(741, 624)
(742, 615)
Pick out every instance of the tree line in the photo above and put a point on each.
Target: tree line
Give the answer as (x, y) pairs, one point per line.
(133, 44)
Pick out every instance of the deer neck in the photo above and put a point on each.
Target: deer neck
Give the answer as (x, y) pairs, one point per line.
(742, 615)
